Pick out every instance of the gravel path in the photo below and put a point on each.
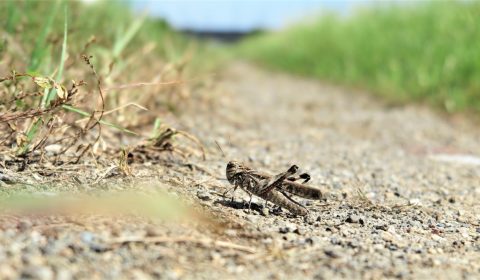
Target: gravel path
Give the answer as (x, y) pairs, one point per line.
(401, 185)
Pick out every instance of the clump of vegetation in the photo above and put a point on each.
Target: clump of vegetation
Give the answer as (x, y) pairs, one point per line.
(65, 69)
(417, 51)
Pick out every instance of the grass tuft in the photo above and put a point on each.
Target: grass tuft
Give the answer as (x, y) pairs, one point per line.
(56, 100)
(421, 52)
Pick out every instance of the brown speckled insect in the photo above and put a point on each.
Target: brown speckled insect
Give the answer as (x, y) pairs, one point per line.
(273, 188)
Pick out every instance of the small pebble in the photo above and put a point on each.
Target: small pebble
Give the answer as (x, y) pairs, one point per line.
(331, 254)
(353, 219)
(253, 219)
(203, 195)
(265, 211)
(53, 149)
(298, 231)
(24, 225)
(87, 237)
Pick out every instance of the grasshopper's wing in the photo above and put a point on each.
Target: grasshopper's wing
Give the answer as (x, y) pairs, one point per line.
(294, 188)
(276, 181)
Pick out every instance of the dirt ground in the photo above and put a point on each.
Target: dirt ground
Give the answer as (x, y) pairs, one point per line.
(401, 189)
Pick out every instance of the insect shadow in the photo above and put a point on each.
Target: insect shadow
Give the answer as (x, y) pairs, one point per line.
(254, 206)
(239, 204)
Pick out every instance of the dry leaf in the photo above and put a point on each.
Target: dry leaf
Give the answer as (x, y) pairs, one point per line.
(61, 91)
(42, 82)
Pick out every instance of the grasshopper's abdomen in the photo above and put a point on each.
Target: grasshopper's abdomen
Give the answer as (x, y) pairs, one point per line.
(302, 190)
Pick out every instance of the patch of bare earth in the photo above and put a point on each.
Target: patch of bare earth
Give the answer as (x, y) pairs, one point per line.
(401, 187)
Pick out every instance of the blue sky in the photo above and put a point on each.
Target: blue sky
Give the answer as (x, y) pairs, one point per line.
(235, 15)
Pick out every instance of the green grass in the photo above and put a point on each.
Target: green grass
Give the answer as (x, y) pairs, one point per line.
(38, 27)
(422, 52)
(45, 40)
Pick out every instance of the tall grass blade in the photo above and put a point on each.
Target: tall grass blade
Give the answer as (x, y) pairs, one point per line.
(32, 132)
(156, 127)
(47, 98)
(40, 48)
(13, 16)
(122, 42)
(48, 93)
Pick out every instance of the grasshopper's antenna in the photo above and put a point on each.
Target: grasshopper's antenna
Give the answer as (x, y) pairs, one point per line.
(220, 148)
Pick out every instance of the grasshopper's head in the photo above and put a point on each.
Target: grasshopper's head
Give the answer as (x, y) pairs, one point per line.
(233, 168)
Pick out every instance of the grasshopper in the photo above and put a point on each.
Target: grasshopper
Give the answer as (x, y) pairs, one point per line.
(273, 188)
